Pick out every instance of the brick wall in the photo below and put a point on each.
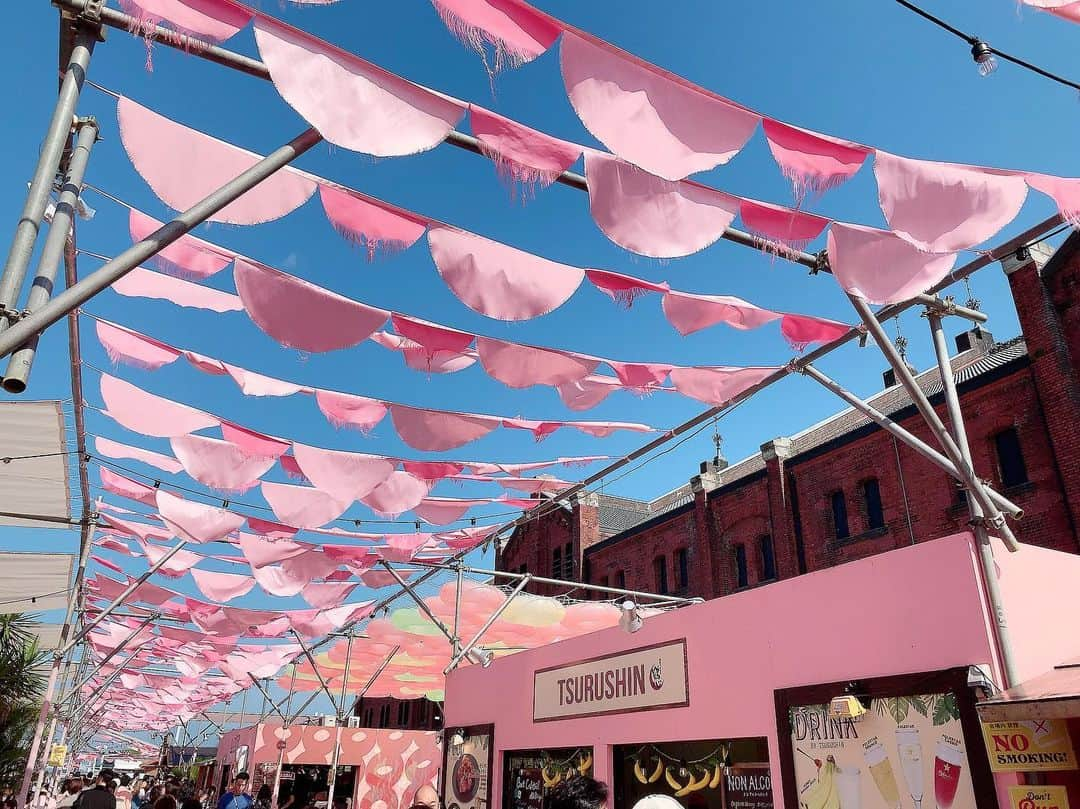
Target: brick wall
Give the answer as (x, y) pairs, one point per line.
(404, 714)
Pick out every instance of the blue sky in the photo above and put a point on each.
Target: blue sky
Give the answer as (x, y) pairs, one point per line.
(872, 72)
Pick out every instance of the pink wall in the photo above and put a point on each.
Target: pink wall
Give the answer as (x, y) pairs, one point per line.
(914, 609)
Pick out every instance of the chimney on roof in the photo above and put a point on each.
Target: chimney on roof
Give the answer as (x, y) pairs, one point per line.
(888, 376)
(975, 339)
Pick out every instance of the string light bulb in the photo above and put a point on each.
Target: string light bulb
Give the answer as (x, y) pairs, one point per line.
(984, 57)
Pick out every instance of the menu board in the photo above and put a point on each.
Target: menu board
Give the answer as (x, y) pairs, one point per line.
(527, 788)
(902, 752)
(748, 786)
(528, 775)
(466, 770)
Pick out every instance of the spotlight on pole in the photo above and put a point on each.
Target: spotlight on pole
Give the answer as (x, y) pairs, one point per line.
(481, 657)
(984, 57)
(630, 620)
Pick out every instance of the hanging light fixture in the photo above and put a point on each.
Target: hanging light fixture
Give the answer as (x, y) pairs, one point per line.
(457, 739)
(984, 57)
(481, 657)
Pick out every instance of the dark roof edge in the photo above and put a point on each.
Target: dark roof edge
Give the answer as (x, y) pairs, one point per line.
(641, 526)
(1069, 248)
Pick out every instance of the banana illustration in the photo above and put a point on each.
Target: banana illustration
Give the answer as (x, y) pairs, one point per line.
(550, 780)
(717, 773)
(823, 794)
(671, 782)
(639, 773)
(694, 786)
(586, 762)
(655, 776)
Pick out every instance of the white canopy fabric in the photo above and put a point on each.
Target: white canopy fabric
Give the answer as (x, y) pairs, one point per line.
(48, 636)
(35, 582)
(35, 486)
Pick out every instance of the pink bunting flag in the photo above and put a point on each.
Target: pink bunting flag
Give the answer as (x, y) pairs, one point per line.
(322, 595)
(417, 357)
(641, 377)
(651, 216)
(276, 581)
(516, 31)
(523, 157)
(353, 103)
(142, 412)
(303, 506)
(435, 430)
(597, 429)
(114, 449)
(131, 348)
(396, 495)
(717, 386)
(220, 465)
(517, 365)
(177, 565)
(348, 410)
(126, 487)
(403, 547)
(211, 20)
(623, 289)
(432, 471)
(814, 163)
(587, 393)
(443, 511)
(346, 476)
(187, 257)
(689, 313)
(308, 566)
(652, 118)
(252, 442)
(262, 550)
(269, 528)
(255, 384)
(802, 330)
(105, 563)
(135, 529)
(497, 280)
(143, 283)
(299, 314)
(196, 522)
(312, 623)
(945, 207)
(781, 230)
(1064, 191)
(370, 223)
(431, 338)
(183, 166)
(881, 267)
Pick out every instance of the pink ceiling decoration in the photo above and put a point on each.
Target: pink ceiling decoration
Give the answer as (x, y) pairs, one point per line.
(717, 386)
(356, 558)
(301, 315)
(945, 207)
(309, 566)
(213, 20)
(260, 550)
(689, 313)
(783, 230)
(443, 511)
(187, 257)
(269, 528)
(403, 547)
(432, 471)
(370, 223)
(126, 487)
(348, 410)
(814, 163)
(255, 384)
(420, 359)
(801, 331)
(345, 476)
(399, 493)
(517, 365)
(522, 156)
(1064, 192)
(253, 443)
(641, 377)
(431, 338)
(353, 103)
(499, 281)
(651, 216)
(324, 594)
(114, 545)
(142, 412)
(183, 166)
(222, 587)
(597, 429)
(128, 347)
(650, 117)
(303, 506)
(880, 266)
(1069, 11)
(177, 565)
(196, 522)
(277, 581)
(435, 430)
(114, 449)
(220, 465)
(143, 283)
(516, 31)
(623, 289)
(587, 393)
(135, 529)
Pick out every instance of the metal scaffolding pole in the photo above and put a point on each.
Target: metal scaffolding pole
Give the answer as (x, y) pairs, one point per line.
(978, 521)
(315, 667)
(464, 652)
(276, 791)
(340, 716)
(266, 700)
(161, 238)
(115, 651)
(52, 253)
(420, 603)
(37, 198)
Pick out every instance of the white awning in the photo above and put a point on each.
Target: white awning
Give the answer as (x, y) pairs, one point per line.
(34, 468)
(48, 636)
(35, 582)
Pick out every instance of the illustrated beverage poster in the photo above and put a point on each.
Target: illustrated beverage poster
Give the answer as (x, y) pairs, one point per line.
(903, 753)
(467, 777)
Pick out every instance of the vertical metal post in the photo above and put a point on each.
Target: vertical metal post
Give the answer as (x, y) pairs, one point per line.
(266, 701)
(315, 668)
(52, 150)
(276, 792)
(978, 521)
(243, 706)
(113, 653)
(52, 253)
(455, 644)
(332, 780)
(521, 585)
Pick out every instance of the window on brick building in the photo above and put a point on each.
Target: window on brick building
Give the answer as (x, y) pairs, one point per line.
(682, 569)
(620, 580)
(421, 712)
(403, 714)
(384, 716)
(742, 573)
(556, 563)
(875, 515)
(1010, 460)
(660, 574)
(369, 716)
(568, 561)
(768, 558)
(839, 515)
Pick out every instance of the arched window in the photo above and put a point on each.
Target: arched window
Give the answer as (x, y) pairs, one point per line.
(839, 515)
(768, 558)
(660, 573)
(1010, 459)
(875, 515)
(682, 569)
(742, 573)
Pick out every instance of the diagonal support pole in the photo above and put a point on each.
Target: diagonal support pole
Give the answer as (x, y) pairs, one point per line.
(111, 271)
(113, 653)
(918, 397)
(340, 717)
(421, 604)
(267, 696)
(464, 651)
(315, 668)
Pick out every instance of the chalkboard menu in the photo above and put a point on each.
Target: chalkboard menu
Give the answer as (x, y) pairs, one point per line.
(530, 774)
(748, 786)
(527, 788)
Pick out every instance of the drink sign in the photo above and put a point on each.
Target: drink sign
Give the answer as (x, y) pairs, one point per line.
(748, 786)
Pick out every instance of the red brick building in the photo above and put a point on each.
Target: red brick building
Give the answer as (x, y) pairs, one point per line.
(844, 488)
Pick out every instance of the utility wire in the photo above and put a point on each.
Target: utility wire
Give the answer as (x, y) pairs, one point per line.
(980, 48)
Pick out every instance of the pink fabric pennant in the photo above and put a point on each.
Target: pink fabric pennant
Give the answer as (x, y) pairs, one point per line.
(114, 545)
(303, 506)
(641, 377)
(689, 313)
(516, 31)
(403, 547)
(196, 522)
(116, 483)
(345, 476)
(319, 622)
(292, 469)
(396, 495)
(309, 566)
(143, 283)
(945, 207)
(353, 103)
(814, 163)
(1064, 191)
(269, 528)
(261, 551)
(299, 314)
(432, 471)
(782, 230)
(803, 330)
(220, 465)
(522, 156)
(213, 20)
(377, 579)
(115, 568)
(205, 364)
(435, 430)
(253, 443)
(357, 559)
(432, 338)
(114, 449)
(717, 386)
(623, 289)
(183, 166)
(597, 429)
(443, 511)
(177, 565)
(587, 393)
(880, 266)
(517, 365)
(497, 280)
(255, 384)
(131, 348)
(348, 410)
(650, 117)
(322, 595)
(370, 223)
(151, 415)
(417, 357)
(276, 581)
(187, 257)
(135, 529)
(651, 216)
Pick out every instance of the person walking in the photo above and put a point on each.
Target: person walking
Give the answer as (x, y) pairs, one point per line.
(237, 797)
(73, 787)
(98, 797)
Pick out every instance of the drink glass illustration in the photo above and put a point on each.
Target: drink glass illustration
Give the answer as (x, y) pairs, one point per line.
(881, 770)
(947, 766)
(847, 785)
(910, 752)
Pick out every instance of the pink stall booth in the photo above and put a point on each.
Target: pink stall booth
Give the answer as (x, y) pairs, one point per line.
(849, 688)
